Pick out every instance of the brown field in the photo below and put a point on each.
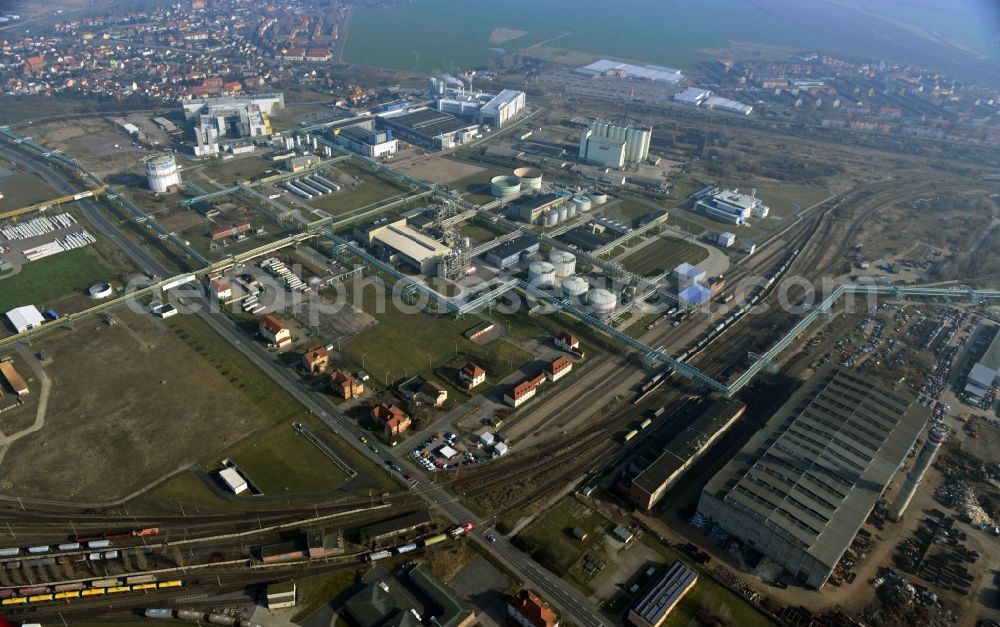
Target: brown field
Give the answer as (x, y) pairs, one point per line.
(445, 171)
(92, 141)
(503, 35)
(110, 431)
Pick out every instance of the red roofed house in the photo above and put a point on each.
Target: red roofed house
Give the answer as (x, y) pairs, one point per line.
(318, 54)
(33, 66)
(275, 331)
(232, 87)
(528, 610)
(560, 366)
(220, 288)
(567, 342)
(471, 375)
(392, 419)
(523, 391)
(345, 385)
(316, 360)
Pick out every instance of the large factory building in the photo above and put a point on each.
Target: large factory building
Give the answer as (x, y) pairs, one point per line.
(614, 144)
(232, 116)
(361, 139)
(408, 245)
(429, 128)
(729, 205)
(803, 486)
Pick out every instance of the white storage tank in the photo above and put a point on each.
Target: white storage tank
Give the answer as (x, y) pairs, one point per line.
(574, 287)
(563, 212)
(505, 186)
(162, 173)
(551, 217)
(598, 198)
(602, 301)
(581, 203)
(531, 178)
(541, 274)
(564, 262)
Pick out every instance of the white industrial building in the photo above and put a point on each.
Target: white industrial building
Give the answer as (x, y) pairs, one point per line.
(693, 96)
(232, 116)
(408, 245)
(725, 104)
(614, 144)
(688, 275)
(616, 69)
(361, 139)
(233, 480)
(726, 239)
(729, 205)
(25, 318)
(494, 110)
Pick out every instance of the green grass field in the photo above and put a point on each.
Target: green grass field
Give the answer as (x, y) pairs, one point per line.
(21, 190)
(787, 200)
(405, 344)
(282, 461)
(231, 170)
(374, 188)
(663, 254)
(47, 279)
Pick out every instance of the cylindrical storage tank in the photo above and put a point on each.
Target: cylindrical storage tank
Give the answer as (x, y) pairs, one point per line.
(602, 301)
(466, 243)
(162, 173)
(574, 287)
(582, 203)
(598, 198)
(99, 290)
(564, 262)
(571, 213)
(541, 274)
(563, 212)
(531, 178)
(505, 186)
(551, 217)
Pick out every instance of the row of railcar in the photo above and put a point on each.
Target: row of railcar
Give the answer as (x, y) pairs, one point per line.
(68, 592)
(81, 542)
(212, 618)
(451, 534)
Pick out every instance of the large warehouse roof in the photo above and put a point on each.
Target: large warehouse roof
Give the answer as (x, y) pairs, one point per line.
(656, 73)
(815, 471)
(410, 242)
(24, 318)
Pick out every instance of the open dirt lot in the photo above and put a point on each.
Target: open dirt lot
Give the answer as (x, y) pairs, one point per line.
(112, 430)
(93, 142)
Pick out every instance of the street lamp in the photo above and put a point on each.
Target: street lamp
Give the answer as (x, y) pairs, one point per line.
(363, 355)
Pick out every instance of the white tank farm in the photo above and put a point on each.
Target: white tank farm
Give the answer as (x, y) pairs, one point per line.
(551, 217)
(564, 262)
(598, 198)
(531, 178)
(581, 203)
(574, 287)
(541, 274)
(602, 301)
(162, 173)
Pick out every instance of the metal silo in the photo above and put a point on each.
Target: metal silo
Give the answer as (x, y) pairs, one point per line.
(602, 301)
(162, 173)
(564, 262)
(581, 203)
(598, 198)
(551, 217)
(541, 274)
(574, 287)
(563, 212)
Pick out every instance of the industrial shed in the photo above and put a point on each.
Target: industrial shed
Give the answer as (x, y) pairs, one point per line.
(803, 486)
(25, 318)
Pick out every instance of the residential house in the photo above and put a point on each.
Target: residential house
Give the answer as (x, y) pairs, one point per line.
(523, 391)
(275, 331)
(391, 419)
(528, 610)
(471, 375)
(345, 385)
(316, 360)
(219, 288)
(559, 367)
(432, 393)
(567, 342)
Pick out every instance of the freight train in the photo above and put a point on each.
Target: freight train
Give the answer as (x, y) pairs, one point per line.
(452, 534)
(212, 618)
(68, 592)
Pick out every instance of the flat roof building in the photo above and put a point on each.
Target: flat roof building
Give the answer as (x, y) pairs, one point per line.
(233, 480)
(654, 607)
(509, 253)
(729, 205)
(529, 208)
(281, 595)
(614, 144)
(412, 598)
(412, 247)
(683, 451)
(363, 140)
(616, 69)
(429, 128)
(803, 485)
(14, 380)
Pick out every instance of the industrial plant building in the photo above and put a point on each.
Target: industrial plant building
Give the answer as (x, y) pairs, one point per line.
(231, 116)
(486, 109)
(429, 128)
(614, 69)
(510, 253)
(654, 607)
(407, 599)
(729, 205)
(803, 485)
(363, 140)
(614, 144)
(408, 245)
(697, 97)
(530, 209)
(985, 371)
(657, 475)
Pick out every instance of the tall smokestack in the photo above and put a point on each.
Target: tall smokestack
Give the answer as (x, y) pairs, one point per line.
(935, 438)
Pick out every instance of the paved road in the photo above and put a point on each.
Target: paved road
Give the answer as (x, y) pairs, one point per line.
(571, 603)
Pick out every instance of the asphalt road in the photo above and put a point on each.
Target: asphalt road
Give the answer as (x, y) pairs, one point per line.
(570, 602)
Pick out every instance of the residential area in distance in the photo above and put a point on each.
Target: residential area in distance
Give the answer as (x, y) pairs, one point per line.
(384, 313)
